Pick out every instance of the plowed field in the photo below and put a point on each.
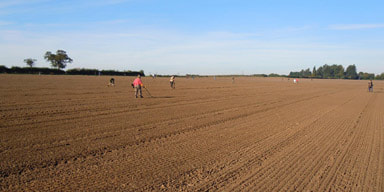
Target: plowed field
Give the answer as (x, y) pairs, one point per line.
(67, 133)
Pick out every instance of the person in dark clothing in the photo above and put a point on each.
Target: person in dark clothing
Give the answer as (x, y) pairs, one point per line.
(111, 82)
(370, 86)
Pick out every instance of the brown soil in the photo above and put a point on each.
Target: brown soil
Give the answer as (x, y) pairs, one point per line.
(65, 133)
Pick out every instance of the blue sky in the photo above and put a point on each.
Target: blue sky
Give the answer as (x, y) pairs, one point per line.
(196, 37)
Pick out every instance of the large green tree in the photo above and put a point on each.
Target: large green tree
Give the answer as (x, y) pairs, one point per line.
(327, 71)
(319, 72)
(338, 71)
(350, 72)
(58, 60)
(314, 73)
(30, 62)
(381, 76)
(307, 73)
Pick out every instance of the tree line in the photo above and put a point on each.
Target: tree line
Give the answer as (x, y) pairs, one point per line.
(334, 72)
(77, 71)
(59, 61)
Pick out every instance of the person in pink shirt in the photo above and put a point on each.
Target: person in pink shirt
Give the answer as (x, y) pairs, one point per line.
(137, 84)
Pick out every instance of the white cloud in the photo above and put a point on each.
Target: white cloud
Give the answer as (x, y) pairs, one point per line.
(355, 26)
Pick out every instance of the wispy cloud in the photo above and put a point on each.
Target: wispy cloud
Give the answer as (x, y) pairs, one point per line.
(2, 23)
(231, 35)
(110, 2)
(11, 3)
(169, 52)
(165, 51)
(355, 26)
(16, 7)
(10, 35)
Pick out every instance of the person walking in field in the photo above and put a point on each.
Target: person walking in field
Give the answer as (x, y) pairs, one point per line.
(370, 86)
(172, 82)
(138, 84)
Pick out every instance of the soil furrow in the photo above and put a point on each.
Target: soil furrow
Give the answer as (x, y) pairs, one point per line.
(72, 133)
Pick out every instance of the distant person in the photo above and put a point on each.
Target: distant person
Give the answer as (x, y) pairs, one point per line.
(295, 80)
(370, 86)
(172, 82)
(111, 82)
(233, 79)
(137, 84)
